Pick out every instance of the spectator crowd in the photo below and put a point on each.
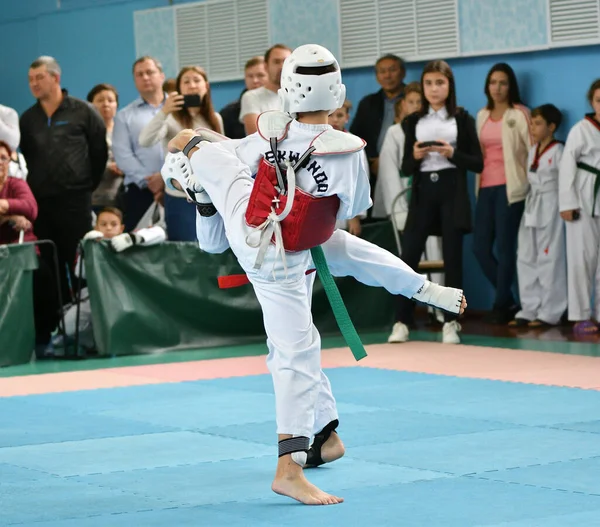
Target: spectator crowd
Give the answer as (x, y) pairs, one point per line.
(73, 170)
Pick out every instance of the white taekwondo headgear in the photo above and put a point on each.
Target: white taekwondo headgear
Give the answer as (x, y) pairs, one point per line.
(310, 93)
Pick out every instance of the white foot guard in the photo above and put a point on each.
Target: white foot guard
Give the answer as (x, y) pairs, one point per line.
(210, 135)
(177, 175)
(300, 458)
(446, 298)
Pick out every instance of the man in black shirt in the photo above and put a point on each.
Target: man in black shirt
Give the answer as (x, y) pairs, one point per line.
(63, 140)
(255, 75)
(375, 112)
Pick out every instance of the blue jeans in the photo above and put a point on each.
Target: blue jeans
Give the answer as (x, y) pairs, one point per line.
(180, 217)
(497, 222)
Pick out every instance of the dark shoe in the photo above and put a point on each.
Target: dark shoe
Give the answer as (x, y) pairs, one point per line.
(44, 351)
(498, 317)
(541, 324)
(502, 316)
(519, 323)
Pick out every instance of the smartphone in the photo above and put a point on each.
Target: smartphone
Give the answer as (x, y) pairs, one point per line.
(192, 101)
(425, 144)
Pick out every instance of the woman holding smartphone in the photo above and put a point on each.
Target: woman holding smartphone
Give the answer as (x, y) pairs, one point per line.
(190, 106)
(441, 145)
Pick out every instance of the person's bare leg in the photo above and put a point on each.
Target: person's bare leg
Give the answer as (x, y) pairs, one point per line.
(290, 481)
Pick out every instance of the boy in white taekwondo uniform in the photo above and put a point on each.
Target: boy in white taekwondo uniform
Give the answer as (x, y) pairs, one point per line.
(579, 183)
(271, 221)
(541, 258)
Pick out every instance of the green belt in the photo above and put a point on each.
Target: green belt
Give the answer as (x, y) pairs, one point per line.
(337, 305)
(596, 172)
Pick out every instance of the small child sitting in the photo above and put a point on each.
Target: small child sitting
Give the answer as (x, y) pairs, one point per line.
(109, 226)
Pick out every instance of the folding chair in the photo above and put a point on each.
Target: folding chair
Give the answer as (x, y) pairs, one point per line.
(78, 295)
(398, 216)
(61, 321)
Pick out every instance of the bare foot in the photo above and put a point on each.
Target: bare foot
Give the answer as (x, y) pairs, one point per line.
(333, 448)
(295, 485)
(463, 305)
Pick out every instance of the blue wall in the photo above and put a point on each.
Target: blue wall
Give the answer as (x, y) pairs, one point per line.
(94, 42)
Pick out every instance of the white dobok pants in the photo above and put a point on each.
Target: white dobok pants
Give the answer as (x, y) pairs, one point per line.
(583, 267)
(304, 401)
(542, 271)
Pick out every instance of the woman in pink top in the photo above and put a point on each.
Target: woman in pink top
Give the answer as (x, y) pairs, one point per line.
(503, 129)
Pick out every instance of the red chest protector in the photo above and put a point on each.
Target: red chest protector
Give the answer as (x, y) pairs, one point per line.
(310, 221)
(286, 215)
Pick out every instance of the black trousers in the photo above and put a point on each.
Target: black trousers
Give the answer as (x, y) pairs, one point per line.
(435, 206)
(136, 202)
(45, 302)
(64, 219)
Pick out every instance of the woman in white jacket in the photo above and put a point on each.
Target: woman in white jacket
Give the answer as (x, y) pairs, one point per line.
(181, 111)
(501, 188)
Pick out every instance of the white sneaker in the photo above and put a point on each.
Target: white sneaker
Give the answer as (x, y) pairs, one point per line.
(399, 333)
(450, 332)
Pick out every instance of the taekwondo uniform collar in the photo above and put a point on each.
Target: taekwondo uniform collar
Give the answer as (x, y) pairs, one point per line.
(328, 141)
(591, 117)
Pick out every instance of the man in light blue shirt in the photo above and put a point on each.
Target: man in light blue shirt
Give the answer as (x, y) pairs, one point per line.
(141, 166)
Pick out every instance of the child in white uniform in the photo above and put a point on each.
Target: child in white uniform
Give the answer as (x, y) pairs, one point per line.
(579, 204)
(541, 258)
(389, 176)
(335, 172)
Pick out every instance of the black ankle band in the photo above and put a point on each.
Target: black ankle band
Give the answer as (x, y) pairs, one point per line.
(293, 444)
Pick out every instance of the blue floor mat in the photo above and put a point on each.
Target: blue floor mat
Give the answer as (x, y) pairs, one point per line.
(422, 450)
